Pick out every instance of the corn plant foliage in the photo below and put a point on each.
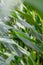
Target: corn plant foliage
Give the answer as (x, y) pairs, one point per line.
(21, 41)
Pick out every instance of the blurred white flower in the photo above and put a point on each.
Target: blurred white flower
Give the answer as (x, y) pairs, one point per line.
(7, 5)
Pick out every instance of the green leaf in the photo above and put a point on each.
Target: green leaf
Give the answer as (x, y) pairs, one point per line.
(36, 5)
